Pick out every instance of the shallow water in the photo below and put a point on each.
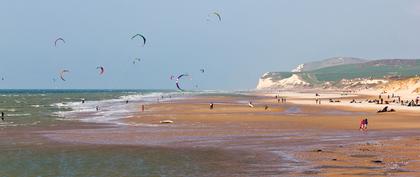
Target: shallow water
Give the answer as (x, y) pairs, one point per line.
(93, 160)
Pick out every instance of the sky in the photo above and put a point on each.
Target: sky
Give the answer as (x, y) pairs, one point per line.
(254, 37)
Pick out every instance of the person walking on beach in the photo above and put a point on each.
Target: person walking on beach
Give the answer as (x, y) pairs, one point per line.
(211, 106)
(97, 107)
(362, 125)
(2, 116)
(366, 124)
(142, 108)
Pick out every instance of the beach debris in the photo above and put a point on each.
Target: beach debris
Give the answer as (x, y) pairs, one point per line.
(101, 70)
(318, 150)
(250, 105)
(141, 36)
(136, 60)
(62, 72)
(59, 39)
(364, 149)
(166, 121)
(219, 17)
(334, 101)
(202, 70)
(178, 79)
(377, 161)
(334, 159)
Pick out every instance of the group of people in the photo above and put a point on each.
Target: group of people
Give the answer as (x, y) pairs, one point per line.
(363, 125)
(280, 99)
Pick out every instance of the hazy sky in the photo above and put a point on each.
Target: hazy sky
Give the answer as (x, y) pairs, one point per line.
(255, 36)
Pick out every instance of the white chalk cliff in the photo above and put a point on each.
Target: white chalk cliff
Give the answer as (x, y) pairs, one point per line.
(290, 82)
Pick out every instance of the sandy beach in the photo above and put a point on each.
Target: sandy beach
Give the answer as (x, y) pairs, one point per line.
(296, 138)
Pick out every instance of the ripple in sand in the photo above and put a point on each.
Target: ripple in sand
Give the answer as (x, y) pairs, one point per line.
(363, 155)
(346, 167)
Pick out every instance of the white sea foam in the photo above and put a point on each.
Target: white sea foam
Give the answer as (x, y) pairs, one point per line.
(18, 115)
(110, 110)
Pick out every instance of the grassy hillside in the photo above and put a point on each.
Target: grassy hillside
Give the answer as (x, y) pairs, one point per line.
(331, 62)
(370, 69)
(374, 69)
(276, 76)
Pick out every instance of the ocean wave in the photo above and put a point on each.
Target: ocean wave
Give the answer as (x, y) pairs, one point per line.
(19, 115)
(36, 105)
(7, 124)
(110, 110)
(13, 124)
(8, 110)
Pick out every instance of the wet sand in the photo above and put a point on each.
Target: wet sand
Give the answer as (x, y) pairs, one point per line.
(286, 140)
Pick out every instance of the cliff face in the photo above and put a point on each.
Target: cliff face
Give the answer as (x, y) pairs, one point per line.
(265, 82)
(294, 81)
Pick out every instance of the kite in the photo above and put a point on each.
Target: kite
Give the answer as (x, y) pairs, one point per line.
(102, 70)
(177, 81)
(136, 60)
(139, 35)
(217, 15)
(59, 39)
(62, 74)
